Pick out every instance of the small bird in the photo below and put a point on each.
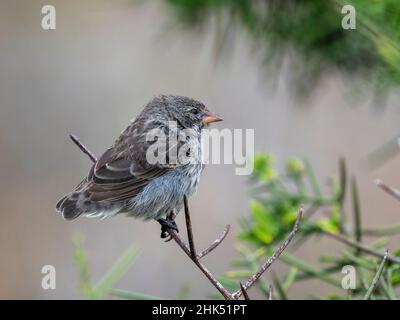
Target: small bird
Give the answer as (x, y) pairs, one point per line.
(123, 180)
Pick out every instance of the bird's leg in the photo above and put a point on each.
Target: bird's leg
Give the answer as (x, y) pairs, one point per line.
(167, 224)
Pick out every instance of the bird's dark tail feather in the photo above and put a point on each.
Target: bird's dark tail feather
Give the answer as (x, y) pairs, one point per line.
(68, 206)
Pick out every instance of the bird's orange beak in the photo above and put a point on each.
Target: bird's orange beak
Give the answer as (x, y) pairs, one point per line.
(211, 117)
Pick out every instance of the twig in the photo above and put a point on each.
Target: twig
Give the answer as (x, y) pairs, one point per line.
(244, 292)
(271, 292)
(203, 269)
(377, 276)
(216, 242)
(213, 245)
(272, 259)
(360, 246)
(390, 190)
(192, 252)
(83, 148)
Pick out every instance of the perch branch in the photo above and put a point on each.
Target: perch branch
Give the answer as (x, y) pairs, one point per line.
(272, 259)
(197, 262)
(191, 249)
(189, 230)
(390, 190)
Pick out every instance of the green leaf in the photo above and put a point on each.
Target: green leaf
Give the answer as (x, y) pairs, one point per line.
(387, 289)
(183, 292)
(309, 269)
(290, 278)
(327, 225)
(265, 227)
(116, 272)
(394, 275)
(82, 264)
(312, 178)
(131, 295)
(279, 288)
(359, 260)
(357, 211)
(237, 274)
(295, 168)
(263, 167)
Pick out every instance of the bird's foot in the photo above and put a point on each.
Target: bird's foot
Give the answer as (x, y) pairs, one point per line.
(166, 226)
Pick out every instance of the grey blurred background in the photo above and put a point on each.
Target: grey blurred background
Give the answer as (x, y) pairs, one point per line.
(90, 77)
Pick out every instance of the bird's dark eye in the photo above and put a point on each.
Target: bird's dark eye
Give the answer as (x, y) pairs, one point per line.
(194, 111)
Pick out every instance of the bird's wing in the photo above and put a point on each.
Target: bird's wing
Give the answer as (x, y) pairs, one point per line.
(114, 178)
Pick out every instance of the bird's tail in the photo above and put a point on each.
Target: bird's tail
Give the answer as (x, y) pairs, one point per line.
(75, 203)
(79, 203)
(70, 205)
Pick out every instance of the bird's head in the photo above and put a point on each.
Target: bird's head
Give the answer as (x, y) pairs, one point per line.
(187, 112)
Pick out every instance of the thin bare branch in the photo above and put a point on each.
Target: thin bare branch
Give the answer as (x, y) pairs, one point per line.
(83, 148)
(191, 251)
(377, 276)
(213, 245)
(390, 190)
(216, 242)
(189, 229)
(244, 292)
(272, 259)
(361, 247)
(202, 268)
(270, 292)
(180, 242)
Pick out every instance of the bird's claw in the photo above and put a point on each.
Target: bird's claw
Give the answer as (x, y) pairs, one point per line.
(166, 226)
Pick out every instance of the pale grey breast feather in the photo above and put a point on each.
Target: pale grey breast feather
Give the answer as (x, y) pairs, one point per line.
(164, 194)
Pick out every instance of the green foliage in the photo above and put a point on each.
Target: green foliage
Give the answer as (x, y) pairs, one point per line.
(313, 30)
(104, 287)
(278, 198)
(274, 208)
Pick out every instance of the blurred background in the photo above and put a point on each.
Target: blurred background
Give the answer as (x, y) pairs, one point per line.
(105, 61)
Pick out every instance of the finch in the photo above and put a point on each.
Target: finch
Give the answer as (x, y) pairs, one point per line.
(126, 178)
